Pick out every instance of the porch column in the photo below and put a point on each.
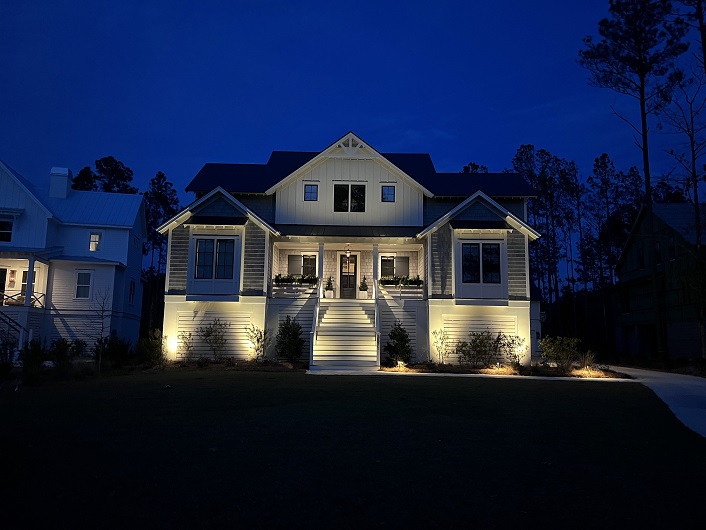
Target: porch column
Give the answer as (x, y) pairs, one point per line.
(375, 270)
(30, 283)
(320, 272)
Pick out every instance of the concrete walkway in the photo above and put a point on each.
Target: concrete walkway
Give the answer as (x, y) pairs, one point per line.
(685, 395)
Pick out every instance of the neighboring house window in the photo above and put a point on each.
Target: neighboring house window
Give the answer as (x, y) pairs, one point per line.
(94, 244)
(135, 241)
(131, 293)
(5, 230)
(388, 194)
(83, 284)
(480, 262)
(23, 288)
(214, 257)
(349, 197)
(311, 192)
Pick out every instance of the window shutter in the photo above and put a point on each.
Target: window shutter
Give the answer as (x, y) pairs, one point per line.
(294, 264)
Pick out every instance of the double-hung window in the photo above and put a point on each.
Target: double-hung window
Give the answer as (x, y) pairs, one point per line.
(25, 274)
(349, 197)
(480, 268)
(214, 259)
(301, 264)
(94, 242)
(83, 284)
(394, 266)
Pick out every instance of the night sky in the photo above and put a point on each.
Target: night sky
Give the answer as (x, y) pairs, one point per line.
(171, 85)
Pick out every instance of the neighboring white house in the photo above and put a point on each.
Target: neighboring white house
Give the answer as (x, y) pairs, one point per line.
(349, 213)
(85, 251)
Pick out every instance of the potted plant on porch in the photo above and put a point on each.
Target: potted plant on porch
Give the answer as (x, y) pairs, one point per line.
(363, 289)
(328, 290)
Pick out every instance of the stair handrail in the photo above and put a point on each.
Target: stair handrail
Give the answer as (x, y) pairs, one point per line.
(377, 321)
(21, 331)
(314, 321)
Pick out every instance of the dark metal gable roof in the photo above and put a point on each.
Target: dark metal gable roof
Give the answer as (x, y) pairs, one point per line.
(256, 178)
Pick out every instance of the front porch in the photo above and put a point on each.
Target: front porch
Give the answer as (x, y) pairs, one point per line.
(337, 270)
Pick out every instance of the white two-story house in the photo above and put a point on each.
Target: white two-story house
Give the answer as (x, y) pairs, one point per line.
(70, 261)
(457, 244)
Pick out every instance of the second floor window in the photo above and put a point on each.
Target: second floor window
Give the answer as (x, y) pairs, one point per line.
(311, 192)
(349, 197)
(5, 230)
(388, 194)
(83, 284)
(94, 243)
(214, 259)
(480, 262)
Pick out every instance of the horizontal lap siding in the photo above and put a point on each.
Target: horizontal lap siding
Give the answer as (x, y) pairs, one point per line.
(254, 260)
(237, 345)
(516, 266)
(300, 309)
(441, 266)
(459, 326)
(408, 314)
(178, 259)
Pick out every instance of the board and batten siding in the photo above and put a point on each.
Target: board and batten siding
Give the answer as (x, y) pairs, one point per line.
(516, 266)
(441, 274)
(178, 259)
(407, 210)
(30, 227)
(254, 260)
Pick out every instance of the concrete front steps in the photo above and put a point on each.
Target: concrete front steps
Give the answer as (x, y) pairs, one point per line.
(345, 338)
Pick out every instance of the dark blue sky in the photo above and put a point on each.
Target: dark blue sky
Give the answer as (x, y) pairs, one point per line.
(171, 85)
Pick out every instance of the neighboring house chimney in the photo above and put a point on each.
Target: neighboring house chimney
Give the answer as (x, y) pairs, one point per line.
(60, 179)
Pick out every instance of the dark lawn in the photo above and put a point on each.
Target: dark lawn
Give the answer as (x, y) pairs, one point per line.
(248, 449)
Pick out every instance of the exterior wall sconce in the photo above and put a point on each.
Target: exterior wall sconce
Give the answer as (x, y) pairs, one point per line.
(13, 275)
(348, 251)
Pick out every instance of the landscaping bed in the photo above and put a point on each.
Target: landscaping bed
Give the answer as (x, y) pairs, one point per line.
(541, 370)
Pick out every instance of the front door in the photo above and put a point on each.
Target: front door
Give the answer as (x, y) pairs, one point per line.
(348, 275)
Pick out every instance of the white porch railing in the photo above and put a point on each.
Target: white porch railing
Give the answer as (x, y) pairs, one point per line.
(18, 299)
(377, 320)
(314, 321)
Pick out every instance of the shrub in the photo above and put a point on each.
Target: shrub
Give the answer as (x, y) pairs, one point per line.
(587, 360)
(561, 350)
(113, 350)
(150, 349)
(464, 353)
(79, 348)
(398, 348)
(61, 354)
(186, 345)
(486, 348)
(33, 354)
(441, 343)
(259, 340)
(7, 354)
(513, 349)
(289, 343)
(363, 285)
(329, 284)
(214, 335)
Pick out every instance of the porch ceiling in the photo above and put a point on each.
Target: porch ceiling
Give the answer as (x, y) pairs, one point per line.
(42, 255)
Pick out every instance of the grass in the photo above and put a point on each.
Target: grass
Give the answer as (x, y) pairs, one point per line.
(250, 449)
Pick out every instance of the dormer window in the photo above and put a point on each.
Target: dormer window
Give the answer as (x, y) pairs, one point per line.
(388, 194)
(5, 230)
(94, 243)
(311, 192)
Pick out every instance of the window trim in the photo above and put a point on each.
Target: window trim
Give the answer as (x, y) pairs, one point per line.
(215, 286)
(89, 285)
(480, 289)
(99, 240)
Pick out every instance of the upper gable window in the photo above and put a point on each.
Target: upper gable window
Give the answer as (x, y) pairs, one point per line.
(349, 197)
(311, 192)
(94, 242)
(5, 230)
(388, 194)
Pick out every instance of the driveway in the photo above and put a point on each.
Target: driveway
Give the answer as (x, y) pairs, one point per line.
(685, 395)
